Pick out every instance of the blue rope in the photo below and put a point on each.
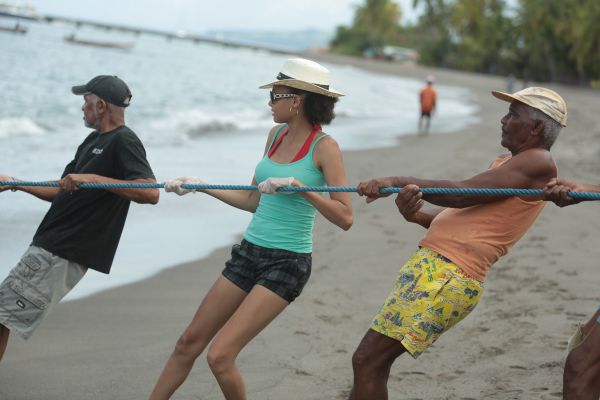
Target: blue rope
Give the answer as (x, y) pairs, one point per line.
(450, 191)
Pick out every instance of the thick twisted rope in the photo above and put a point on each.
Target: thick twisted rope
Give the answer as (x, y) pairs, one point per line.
(450, 191)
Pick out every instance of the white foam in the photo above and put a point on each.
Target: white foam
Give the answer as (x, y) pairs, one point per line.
(19, 126)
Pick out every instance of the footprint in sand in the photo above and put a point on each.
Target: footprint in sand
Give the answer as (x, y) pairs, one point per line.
(540, 389)
(504, 394)
(571, 272)
(492, 351)
(551, 364)
(576, 314)
(302, 372)
(517, 367)
(537, 238)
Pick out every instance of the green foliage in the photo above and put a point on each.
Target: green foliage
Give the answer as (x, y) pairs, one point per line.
(555, 40)
(376, 24)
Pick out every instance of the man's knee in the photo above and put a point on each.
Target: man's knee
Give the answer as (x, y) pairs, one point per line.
(362, 359)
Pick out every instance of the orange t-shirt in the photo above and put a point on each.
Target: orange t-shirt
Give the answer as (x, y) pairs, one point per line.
(475, 237)
(428, 96)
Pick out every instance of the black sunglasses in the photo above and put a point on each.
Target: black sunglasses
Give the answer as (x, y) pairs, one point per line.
(276, 96)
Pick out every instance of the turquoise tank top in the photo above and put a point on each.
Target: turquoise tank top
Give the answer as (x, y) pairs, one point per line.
(285, 220)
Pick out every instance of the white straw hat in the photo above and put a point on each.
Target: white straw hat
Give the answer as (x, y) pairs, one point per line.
(306, 75)
(547, 101)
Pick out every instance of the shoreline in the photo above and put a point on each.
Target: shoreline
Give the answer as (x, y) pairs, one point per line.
(113, 344)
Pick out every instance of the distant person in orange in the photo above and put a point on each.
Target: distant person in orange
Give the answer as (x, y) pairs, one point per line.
(427, 97)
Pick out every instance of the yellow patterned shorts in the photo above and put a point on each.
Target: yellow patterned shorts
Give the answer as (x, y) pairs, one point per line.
(431, 295)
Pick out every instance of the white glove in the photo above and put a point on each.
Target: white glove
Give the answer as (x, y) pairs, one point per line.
(174, 185)
(270, 185)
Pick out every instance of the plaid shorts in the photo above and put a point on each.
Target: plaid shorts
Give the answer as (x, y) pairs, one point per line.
(283, 272)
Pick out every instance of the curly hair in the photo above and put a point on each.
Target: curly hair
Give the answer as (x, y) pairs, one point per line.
(318, 109)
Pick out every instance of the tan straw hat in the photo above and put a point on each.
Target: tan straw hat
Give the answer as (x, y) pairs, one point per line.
(547, 101)
(306, 75)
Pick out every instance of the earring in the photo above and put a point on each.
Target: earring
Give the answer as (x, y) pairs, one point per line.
(291, 107)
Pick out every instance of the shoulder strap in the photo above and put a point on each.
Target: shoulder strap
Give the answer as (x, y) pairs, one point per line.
(306, 146)
(314, 143)
(276, 141)
(275, 137)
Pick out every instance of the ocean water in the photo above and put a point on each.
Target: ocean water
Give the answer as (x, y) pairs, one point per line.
(199, 112)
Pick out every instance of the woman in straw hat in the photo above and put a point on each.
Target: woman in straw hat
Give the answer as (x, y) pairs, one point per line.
(271, 265)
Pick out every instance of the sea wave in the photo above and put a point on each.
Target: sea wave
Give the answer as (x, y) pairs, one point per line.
(197, 123)
(19, 126)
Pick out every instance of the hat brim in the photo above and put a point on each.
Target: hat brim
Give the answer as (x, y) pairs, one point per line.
(504, 96)
(309, 87)
(79, 90)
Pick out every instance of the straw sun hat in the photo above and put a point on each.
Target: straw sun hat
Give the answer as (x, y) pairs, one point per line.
(306, 75)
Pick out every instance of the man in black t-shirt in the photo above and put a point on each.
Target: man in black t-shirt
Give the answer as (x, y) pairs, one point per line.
(82, 228)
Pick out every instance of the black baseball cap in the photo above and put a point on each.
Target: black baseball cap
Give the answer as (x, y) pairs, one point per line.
(109, 88)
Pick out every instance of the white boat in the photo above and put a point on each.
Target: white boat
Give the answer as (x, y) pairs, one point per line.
(17, 28)
(97, 43)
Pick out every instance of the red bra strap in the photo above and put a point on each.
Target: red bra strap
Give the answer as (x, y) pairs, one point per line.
(276, 144)
(305, 147)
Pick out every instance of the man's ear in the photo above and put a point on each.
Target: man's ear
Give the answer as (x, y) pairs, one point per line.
(101, 106)
(538, 127)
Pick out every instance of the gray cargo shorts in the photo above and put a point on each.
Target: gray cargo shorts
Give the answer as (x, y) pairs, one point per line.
(38, 282)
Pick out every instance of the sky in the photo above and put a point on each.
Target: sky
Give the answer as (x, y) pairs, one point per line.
(197, 16)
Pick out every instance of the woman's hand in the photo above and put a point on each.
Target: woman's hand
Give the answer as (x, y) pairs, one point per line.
(174, 185)
(270, 185)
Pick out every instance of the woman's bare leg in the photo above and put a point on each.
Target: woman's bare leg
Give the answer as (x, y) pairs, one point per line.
(218, 305)
(257, 310)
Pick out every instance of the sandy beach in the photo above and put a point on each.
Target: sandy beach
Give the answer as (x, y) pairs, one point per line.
(113, 345)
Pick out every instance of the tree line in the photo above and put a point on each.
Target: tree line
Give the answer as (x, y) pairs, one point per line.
(542, 40)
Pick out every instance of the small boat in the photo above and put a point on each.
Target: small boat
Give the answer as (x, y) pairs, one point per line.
(14, 29)
(96, 43)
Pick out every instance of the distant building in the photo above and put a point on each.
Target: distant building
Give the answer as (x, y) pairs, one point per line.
(392, 53)
(396, 53)
(24, 11)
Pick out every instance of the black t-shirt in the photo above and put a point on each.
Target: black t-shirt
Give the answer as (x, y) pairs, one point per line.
(85, 226)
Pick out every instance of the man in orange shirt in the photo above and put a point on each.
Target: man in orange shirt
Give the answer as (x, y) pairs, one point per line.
(427, 98)
(443, 281)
